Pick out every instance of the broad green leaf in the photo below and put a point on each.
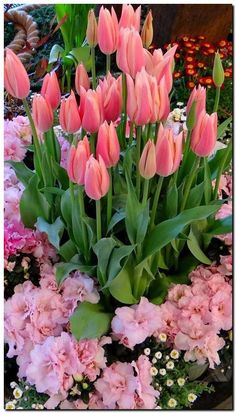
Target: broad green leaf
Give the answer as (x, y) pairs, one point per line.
(54, 231)
(81, 55)
(90, 321)
(216, 161)
(116, 257)
(121, 287)
(195, 196)
(164, 232)
(221, 226)
(223, 127)
(61, 175)
(117, 217)
(171, 207)
(66, 207)
(103, 249)
(91, 230)
(158, 289)
(56, 53)
(23, 173)
(195, 249)
(63, 269)
(186, 265)
(68, 250)
(33, 204)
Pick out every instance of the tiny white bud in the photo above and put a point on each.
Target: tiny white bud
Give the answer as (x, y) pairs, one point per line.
(174, 354)
(169, 382)
(172, 402)
(154, 360)
(162, 337)
(192, 397)
(147, 351)
(162, 372)
(158, 355)
(167, 357)
(181, 381)
(170, 365)
(153, 371)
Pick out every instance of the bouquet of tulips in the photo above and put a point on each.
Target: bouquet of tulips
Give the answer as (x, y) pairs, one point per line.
(136, 207)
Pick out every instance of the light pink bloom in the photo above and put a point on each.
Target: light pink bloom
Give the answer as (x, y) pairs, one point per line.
(221, 310)
(146, 395)
(130, 18)
(130, 53)
(91, 357)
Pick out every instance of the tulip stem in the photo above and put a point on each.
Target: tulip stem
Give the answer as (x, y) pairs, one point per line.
(124, 109)
(98, 220)
(138, 150)
(109, 199)
(108, 63)
(156, 131)
(189, 182)
(221, 169)
(38, 152)
(131, 133)
(83, 225)
(93, 142)
(94, 82)
(155, 201)
(217, 99)
(145, 192)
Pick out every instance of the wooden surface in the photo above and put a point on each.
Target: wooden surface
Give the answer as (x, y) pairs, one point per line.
(225, 405)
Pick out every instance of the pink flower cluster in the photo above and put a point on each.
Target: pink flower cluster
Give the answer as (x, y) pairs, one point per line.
(17, 135)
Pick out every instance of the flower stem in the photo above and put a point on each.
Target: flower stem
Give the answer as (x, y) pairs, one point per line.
(94, 82)
(131, 133)
(189, 182)
(138, 150)
(217, 99)
(83, 225)
(124, 110)
(156, 131)
(155, 201)
(93, 142)
(221, 169)
(108, 63)
(98, 220)
(109, 199)
(145, 192)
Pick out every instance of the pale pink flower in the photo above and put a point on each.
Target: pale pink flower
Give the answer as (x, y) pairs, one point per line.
(79, 287)
(226, 265)
(146, 395)
(221, 310)
(207, 351)
(23, 127)
(92, 358)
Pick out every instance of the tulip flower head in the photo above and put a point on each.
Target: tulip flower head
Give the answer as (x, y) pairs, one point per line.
(42, 113)
(111, 91)
(130, 53)
(97, 179)
(108, 144)
(160, 100)
(168, 151)
(92, 28)
(130, 18)
(139, 98)
(108, 31)
(147, 163)
(69, 114)
(147, 30)
(51, 89)
(81, 78)
(16, 79)
(91, 110)
(77, 159)
(198, 95)
(204, 134)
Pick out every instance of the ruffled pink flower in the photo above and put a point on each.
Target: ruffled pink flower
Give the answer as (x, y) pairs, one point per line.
(224, 211)
(79, 287)
(13, 149)
(221, 310)
(23, 128)
(146, 395)
(92, 358)
(226, 265)
(207, 351)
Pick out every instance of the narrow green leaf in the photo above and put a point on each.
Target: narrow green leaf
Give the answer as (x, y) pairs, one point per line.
(68, 250)
(103, 249)
(23, 173)
(121, 287)
(63, 269)
(195, 249)
(117, 255)
(223, 127)
(117, 217)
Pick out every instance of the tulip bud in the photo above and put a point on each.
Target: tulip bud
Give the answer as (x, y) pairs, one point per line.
(51, 90)
(97, 179)
(130, 18)
(91, 109)
(108, 31)
(77, 159)
(16, 79)
(42, 113)
(111, 91)
(92, 27)
(204, 134)
(147, 30)
(218, 71)
(108, 144)
(69, 114)
(198, 95)
(130, 53)
(168, 151)
(191, 117)
(147, 163)
(139, 98)
(81, 78)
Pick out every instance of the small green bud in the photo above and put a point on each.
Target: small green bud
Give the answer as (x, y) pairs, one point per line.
(218, 71)
(191, 118)
(85, 386)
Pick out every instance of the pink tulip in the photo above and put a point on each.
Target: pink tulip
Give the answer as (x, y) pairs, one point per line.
(111, 90)
(198, 95)
(92, 28)
(69, 114)
(168, 151)
(42, 113)
(108, 144)
(147, 30)
(77, 159)
(130, 18)
(91, 111)
(97, 179)
(16, 79)
(51, 90)
(139, 98)
(160, 100)
(81, 78)
(147, 163)
(204, 134)
(130, 53)
(108, 30)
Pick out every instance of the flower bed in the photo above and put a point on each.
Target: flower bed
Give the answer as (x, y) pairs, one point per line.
(118, 244)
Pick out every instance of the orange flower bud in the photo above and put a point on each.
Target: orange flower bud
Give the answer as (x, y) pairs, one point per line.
(147, 30)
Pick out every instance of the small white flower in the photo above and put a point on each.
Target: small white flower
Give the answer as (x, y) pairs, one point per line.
(162, 372)
(147, 351)
(17, 393)
(158, 355)
(10, 406)
(167, 357)
(181, 381)
(180, 104)
(33, 406)
(174, 354)
(13, 384)
(162, 337)
(153, 371)
(170, 365)
(192, 397)
(26, 387)
(160, 389)
(169, 382)
(154, 360)
(172, 402)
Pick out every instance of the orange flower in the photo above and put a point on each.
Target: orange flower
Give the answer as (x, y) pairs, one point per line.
(211, 50)
(188, 45)
(185, 38)
(189, 59)
(222, 55)
(227, 74)
(200, 65)
(177, 75)
(190, 84)
(190, 66)
(191, 72)
(207, 81)
(192, 39)
(206, 44)
(191, 51)
(177, 55)
(201, 37)
(222, 43)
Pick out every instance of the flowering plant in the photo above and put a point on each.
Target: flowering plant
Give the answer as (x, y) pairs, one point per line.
(131, 211)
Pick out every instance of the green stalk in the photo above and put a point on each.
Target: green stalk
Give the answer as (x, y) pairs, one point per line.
(131, 132)
(155, 201)
(108, 63)
(94, 81)
(217, 99)
(189, 182)
(72, 192)
(93, 142)
(98, 220)
(145, 192)
(156, 131)
(221, 169)
(84, 229)
(68, 79)
(138, 151)
(124, 109)
(109, 199)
